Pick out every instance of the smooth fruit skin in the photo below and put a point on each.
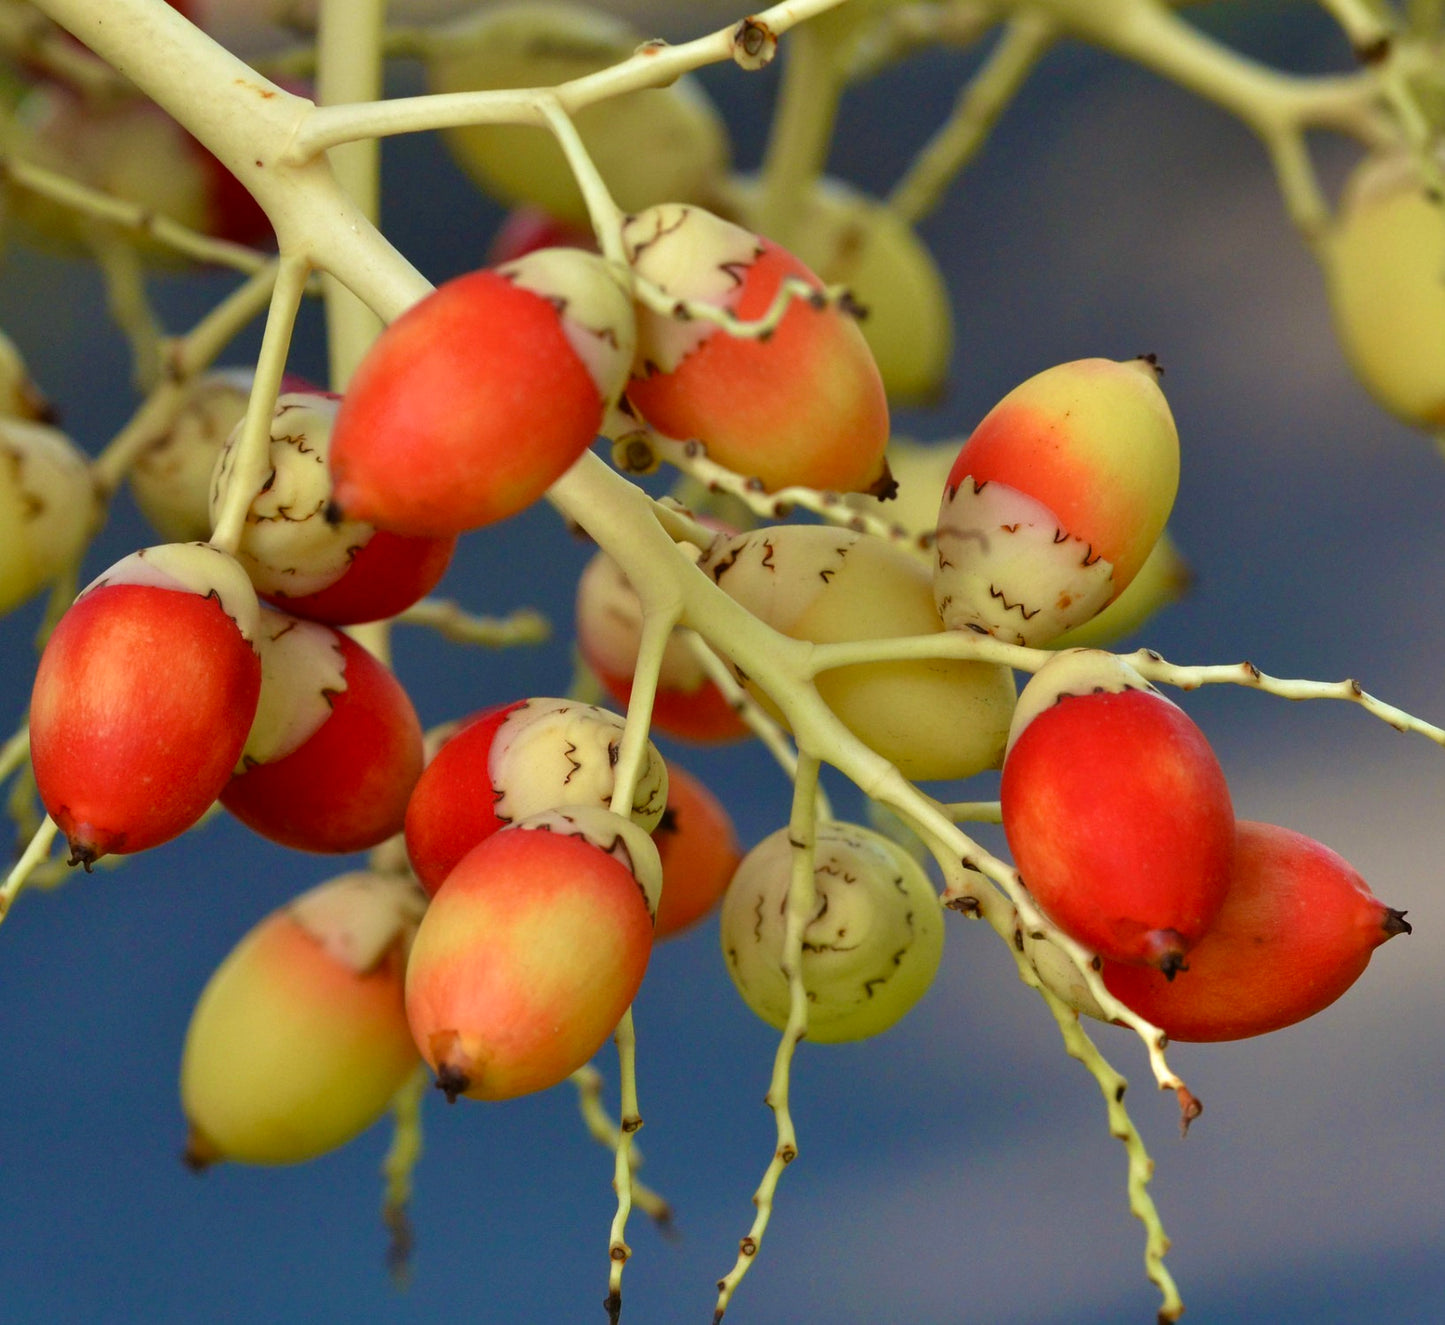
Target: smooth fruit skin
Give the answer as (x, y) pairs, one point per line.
(1120, 822)
(465, 409)
(804, 405)
(856, 241)
(48, 507)
(347, 786)
(1095, 442)
(140, 709)
(525, 961)
(342, 572)
(1296, 930)
(509, 763)
(1056, 500)
(1382, 261)
(450, 809)
(133, 150)
(390, 573)
(699, 849)
(299, 1040)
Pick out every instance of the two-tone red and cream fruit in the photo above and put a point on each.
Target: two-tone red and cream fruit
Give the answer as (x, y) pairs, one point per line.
(687, 704)
(802, 405)
(1296, 930)
(477, 398)
(143, 698)
(335, 748)
(297, 554)
(532, 950)
(1116, 811)
(509, 762)
(299, 1040)
(1056, 499)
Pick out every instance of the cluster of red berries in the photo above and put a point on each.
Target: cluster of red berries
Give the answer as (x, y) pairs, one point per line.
(538, 901)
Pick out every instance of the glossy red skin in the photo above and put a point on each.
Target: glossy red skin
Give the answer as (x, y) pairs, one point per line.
(347, 786)
(142, 703)
(1296, 930)
(388, 574)
(450, 810)
(805, 406)
(530, 954)
(1120, 822)
(464, 411)
(699, 850)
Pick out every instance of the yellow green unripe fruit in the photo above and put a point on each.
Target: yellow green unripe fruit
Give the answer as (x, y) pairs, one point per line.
(1384, 262)
(658, 145)
(853, 240)
(299, 1041)
(871, 944)
(48, 507)
(1056, 499)
(171, 479)
(20, 398)
(933, 717)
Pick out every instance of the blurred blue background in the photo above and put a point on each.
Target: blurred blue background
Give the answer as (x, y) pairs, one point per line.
(957, 1168)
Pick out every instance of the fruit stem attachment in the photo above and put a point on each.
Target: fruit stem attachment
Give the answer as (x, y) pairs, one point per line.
(253, 447)
(602, 209)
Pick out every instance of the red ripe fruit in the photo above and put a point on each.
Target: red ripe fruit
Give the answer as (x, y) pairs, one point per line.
(336, 747)
(699, 850)
(143, 698)
(531, 952)
(1117, 811)
(474, 401)
(803, 405)
(513, 761)
(1296, 930)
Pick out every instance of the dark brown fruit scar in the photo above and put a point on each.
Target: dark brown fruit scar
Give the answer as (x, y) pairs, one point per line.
(1166, 948)
(1395, 923)
(200, 1152)
(452, 1081)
